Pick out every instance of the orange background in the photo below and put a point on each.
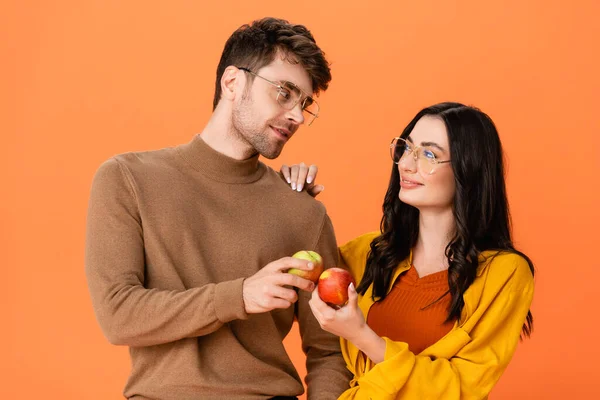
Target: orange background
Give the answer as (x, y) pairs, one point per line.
(84, 80)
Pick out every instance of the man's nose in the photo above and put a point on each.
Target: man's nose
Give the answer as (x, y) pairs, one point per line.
(296, 114)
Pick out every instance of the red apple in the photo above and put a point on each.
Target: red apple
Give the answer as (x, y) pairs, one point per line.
(333, 286)
(313, 257)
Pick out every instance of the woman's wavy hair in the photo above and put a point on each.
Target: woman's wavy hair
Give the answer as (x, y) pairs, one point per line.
(480, 208)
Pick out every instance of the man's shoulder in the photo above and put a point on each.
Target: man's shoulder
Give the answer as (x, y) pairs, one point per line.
(294, 200)
(134, 166)
(145, 157)
(134, 162)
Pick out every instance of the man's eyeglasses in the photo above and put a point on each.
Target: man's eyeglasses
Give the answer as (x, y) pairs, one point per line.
(289, 95)
(402, 150)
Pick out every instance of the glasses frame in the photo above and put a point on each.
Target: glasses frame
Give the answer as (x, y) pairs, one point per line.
(280, 88)
(415, 154)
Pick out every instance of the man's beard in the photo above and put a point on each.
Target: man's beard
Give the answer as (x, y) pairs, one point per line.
(252, 133)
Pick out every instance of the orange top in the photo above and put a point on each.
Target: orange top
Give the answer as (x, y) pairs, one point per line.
(410, 313)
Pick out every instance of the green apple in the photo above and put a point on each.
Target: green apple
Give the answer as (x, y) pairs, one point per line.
(315, 258)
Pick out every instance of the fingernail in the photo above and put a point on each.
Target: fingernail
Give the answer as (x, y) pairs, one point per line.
(310, 265)
(309, 179)
(351, 286)
(299, 188)
(288, 180)
(293, 185)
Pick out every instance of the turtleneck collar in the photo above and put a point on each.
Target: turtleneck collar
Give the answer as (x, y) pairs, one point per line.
(218, 166)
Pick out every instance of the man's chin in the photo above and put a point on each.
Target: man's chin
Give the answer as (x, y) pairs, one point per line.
(271, 154)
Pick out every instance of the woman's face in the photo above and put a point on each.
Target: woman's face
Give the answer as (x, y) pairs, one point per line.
(419, 186)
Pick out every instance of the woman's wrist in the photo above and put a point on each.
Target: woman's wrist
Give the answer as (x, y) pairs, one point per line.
(370, 343)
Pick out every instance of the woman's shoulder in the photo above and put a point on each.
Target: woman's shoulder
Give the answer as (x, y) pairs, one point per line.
(355, 252)
(359, 245)
(506, 266)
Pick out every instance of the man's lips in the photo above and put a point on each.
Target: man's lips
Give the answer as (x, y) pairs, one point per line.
(286, 133)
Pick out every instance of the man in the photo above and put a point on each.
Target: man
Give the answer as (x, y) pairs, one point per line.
(187, 247)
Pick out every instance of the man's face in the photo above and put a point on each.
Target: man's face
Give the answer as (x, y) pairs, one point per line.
(257, 116)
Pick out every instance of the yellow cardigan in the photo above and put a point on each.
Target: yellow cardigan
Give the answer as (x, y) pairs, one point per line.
(468, 361)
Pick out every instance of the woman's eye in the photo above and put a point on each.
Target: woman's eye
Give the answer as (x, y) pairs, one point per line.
(429, 154)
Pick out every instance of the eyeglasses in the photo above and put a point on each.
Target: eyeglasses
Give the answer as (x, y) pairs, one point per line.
(289, 95)
(424, 156)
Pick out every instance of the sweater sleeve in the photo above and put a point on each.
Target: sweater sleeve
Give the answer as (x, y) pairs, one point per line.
(327, 376)
(128, 313)
(461, 365)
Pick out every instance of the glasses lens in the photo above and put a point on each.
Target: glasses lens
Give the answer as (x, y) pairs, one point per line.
(310, 110)
(288, 95)
(397, 149)
(426, 160)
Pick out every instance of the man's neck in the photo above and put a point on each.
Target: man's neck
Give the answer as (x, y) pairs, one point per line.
(222, 137)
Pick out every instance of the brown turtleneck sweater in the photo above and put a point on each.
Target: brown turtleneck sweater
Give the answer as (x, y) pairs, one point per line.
(171, 235)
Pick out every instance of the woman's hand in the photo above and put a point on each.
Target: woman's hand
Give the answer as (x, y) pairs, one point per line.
(300, 176)
(349, 323)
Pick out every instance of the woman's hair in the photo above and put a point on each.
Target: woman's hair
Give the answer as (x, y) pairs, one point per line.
(480, 208)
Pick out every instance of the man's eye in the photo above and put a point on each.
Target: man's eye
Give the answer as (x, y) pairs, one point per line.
(284, 93)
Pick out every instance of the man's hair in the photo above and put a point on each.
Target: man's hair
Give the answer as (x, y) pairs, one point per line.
(256, 45)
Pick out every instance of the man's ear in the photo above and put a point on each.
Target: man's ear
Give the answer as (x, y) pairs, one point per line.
(230, 82)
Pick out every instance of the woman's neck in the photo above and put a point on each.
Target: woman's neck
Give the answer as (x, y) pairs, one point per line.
(436, 228)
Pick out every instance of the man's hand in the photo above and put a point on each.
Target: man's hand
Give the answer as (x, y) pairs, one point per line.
(266, 291)
(299, 175)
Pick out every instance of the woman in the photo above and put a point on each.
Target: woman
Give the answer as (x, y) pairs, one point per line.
(443, 295)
